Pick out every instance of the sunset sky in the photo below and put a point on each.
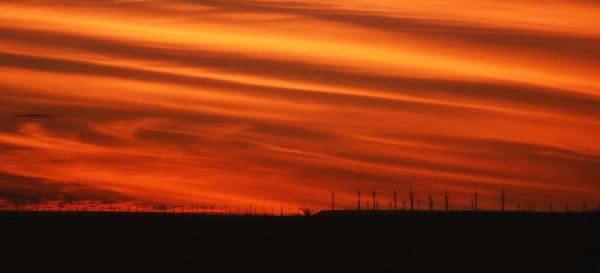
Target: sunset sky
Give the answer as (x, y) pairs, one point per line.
(279, 103)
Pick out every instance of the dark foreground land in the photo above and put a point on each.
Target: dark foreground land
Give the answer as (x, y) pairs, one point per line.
(419, 241)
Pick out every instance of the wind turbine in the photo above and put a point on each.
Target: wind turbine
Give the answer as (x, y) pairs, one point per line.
(395, 198)
(502, 198)
(358, 194)
(374, 201)
(332, 201)
(411, 198)
(446, 200)
(430, 202)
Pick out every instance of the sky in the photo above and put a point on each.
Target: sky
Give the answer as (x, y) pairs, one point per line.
(278, 103)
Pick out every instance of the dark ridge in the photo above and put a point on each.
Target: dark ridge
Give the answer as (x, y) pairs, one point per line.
(450, 214)
(414, 241)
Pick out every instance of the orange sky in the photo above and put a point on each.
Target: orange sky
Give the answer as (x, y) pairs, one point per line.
(270, 103)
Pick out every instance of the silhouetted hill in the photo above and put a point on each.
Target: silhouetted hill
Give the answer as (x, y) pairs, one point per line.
(396, 241)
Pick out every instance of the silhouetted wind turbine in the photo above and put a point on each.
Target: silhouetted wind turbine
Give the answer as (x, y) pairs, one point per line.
(430, 202)
(395, 198)
(358, 194)
(502, 198)
(374, 201)
(332, 201)
(411, 198)
(446, 200)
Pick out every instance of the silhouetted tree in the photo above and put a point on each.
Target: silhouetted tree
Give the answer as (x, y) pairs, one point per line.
(306, 211)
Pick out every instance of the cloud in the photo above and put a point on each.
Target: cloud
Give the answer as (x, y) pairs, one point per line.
(483, 93)
(274, 102)
(583, 48)
(33, 116)
(31, 190)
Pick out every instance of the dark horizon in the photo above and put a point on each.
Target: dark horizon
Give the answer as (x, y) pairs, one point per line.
(411, 240)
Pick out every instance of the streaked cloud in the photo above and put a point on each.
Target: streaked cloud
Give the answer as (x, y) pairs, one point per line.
(280, 102)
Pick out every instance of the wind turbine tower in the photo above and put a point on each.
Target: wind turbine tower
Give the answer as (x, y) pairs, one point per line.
(430, 202)
(395, 198)
(332, 201)
(502, 198)
(411, 198)
(446, 200)
(374, 200)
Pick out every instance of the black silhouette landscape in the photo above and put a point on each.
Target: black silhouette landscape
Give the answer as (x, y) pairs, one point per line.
(426, 240)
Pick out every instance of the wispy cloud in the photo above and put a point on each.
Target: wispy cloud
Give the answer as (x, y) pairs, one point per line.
(280, 102)
(35, 190)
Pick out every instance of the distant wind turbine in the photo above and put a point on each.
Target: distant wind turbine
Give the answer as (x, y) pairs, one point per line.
(358, 194)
